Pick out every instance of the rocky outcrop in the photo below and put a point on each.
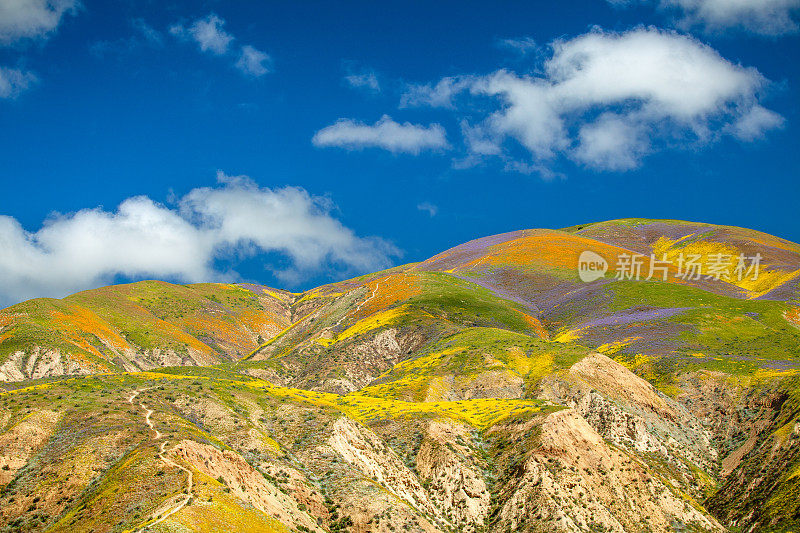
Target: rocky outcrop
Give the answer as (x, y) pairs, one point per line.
(158, 358)
(361, 448)
(446, 463)
(573, 480)
(629, 412)
(245, 482)
(358, 363)
(44, 362)
(39, 362)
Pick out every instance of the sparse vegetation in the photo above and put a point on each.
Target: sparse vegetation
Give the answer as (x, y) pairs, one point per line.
(469, 400)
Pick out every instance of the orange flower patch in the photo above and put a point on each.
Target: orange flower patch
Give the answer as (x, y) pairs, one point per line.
(81, 319)
(171, 331)
(773, 242)
(232, 335)
(537, 326)
(793, 316)
(84, 345)
(261, 322)
(6, 320)
(544, 248)
(388, 291)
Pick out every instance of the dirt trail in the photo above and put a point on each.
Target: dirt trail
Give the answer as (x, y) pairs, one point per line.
(358, 307)
(161, 451)
(150, 422)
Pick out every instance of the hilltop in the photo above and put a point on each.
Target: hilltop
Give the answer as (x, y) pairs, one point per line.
(487, 388)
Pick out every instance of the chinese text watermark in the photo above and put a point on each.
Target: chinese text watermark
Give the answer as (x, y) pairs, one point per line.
(688, 267)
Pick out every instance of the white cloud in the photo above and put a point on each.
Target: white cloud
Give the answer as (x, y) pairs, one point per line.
(429, 208)
(612, 142)
(145, 239)
(440, 94)
(32, 19)
(253, 62)
(765, 17)
(755, 122)
(364, 80)
(530, 114)
(478, 141)
(207, 33)
(210, 37)
(27, 19)
(361, 77)
(14, 81)
(607, 99)
(385, 133)
(669, 74)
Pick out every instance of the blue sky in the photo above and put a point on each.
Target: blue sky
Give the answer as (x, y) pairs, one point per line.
(139, 140)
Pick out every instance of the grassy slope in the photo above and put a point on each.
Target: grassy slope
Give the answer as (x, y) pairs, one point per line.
(714, 331)
(470, 352)
(125, 484)
(432, 305)
(213, 319)
(467, 330)
(716, 327)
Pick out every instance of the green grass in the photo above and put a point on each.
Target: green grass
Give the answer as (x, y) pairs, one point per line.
(231, 296)
(38, 329)
(149, 315)
(463, 355)
(630, 222)
(467, 304)
(714, 325)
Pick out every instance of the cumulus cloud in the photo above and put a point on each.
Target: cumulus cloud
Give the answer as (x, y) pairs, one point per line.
(27, 19)
(440, 94)
(608, 99)
(754, 123)
(361, 77)
(253, 62)
(364, 80)
(14, 81)
(142, 238)
(764, 17)
(210, 36)
(207, 32)
(32, 19)
(612, 142)
(385, 133)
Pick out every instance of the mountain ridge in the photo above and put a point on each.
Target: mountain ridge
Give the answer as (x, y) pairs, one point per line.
(486, 388)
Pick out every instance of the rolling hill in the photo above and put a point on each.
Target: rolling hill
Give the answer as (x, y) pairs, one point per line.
(487, 388)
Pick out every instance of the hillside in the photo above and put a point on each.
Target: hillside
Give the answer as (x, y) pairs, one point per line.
(487, 388)
(140, 326)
